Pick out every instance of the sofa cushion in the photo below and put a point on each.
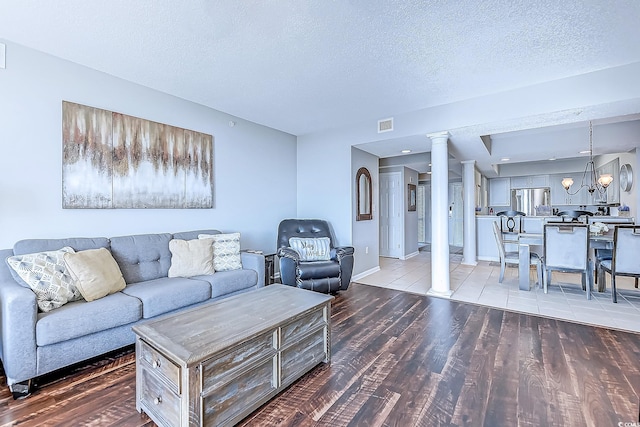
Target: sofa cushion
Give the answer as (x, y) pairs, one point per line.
(312, 248)
(226, 251)
(191, 257)
(95, 272)
(226, 282)
(47, 275)
(77, 243)
(166, 294)
(142, 257)
(81, 318)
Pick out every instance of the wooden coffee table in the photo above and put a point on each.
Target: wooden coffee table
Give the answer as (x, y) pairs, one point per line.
(217, 363)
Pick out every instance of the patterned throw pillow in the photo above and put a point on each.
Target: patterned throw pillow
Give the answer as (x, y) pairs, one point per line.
(48, 277)
(226, 251)
(312, 248)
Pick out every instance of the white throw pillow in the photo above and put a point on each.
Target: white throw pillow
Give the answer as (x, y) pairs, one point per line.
(312, 248)
(191, 257)
(48, 277)
(226, 251)
(95, 272)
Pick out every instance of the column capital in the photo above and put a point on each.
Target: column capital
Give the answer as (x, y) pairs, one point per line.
(466, 162)
(439, 135)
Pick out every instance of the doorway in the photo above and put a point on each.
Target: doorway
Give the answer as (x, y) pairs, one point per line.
(391, 210)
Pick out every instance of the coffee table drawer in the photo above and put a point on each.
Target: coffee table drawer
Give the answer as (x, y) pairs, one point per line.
(156, 398)
(226, 402)
(303, 355)
(160, 366)
(302, 326)
(223, 367)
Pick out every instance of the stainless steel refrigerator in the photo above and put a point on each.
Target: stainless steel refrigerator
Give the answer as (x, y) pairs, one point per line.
(531, 201)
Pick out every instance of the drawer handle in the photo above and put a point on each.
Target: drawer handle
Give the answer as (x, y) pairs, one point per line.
(157, 400)
(156, 363)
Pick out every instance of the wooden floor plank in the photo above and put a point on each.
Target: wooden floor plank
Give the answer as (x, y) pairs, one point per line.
(398, 359)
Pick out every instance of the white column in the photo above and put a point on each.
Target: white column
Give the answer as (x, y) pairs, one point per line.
(469, 211)
(439, 215)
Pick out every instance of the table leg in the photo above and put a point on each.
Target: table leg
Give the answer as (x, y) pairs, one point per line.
(523, 267)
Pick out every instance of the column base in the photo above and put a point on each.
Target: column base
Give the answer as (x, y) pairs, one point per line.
(440, 294)
(473, 263)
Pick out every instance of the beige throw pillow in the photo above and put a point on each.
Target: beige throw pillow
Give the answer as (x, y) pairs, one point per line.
(95, 272)
(191, 257)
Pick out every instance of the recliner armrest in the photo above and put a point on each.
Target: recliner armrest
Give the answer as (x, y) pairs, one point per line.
(341, 251)
(290, 253)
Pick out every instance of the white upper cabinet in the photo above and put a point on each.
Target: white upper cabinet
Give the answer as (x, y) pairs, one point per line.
(500, 192)
(559, 195)
(532, 181)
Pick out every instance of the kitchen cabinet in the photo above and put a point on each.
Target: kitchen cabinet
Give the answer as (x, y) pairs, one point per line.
(559, 195)
(532, 181)
(500, 192)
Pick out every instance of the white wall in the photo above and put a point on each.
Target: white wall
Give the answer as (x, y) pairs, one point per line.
(365, 233)
(254, 175)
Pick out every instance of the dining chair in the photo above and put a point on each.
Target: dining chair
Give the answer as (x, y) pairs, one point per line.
(606, 254)
(624, 262)
(513, 257)
(566, 249)
(509, 219)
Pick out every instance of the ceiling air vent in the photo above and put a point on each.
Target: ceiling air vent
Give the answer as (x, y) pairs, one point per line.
(385, 125)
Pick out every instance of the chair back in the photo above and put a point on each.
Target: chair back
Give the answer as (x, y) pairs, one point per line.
(509, 219)
(498, 234)
(566, 246)
(626, 243)
(303, 228)
(575, 216)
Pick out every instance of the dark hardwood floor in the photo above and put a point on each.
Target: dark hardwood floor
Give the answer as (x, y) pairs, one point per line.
(399, 359)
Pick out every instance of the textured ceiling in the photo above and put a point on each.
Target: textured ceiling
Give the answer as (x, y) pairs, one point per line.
(302, 66)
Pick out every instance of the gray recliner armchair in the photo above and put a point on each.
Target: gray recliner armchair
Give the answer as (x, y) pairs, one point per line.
(316, 264)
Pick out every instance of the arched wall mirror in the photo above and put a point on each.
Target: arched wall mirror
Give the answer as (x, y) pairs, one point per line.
(363, 195)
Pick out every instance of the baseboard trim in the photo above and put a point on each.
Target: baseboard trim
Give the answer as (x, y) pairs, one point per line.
(365, 273)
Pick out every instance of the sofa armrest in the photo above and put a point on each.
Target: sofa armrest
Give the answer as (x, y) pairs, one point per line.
(18, 316)
(253, 261)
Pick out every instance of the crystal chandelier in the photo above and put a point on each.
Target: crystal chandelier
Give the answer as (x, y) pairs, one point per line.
(590, 178)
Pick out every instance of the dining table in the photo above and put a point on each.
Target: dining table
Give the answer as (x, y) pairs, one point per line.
(526, 240)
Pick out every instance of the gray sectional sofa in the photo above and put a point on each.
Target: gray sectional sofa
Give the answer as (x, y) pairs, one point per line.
(33, 343)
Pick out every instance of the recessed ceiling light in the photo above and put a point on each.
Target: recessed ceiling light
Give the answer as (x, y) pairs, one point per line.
(429, 173)
(552, 159)
(406, 151)
(429, 164)
(584, 152)
(505, 159)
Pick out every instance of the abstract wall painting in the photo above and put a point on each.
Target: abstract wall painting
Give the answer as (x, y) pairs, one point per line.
(112, 160)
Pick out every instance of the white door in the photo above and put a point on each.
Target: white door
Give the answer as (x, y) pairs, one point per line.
(390, 215)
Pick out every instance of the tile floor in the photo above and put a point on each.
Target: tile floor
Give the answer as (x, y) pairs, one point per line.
(479, 285)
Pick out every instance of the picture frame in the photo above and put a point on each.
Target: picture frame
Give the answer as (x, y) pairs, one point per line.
(411, 197)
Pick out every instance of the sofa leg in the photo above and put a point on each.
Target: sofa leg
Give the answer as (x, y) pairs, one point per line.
(22, 389)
